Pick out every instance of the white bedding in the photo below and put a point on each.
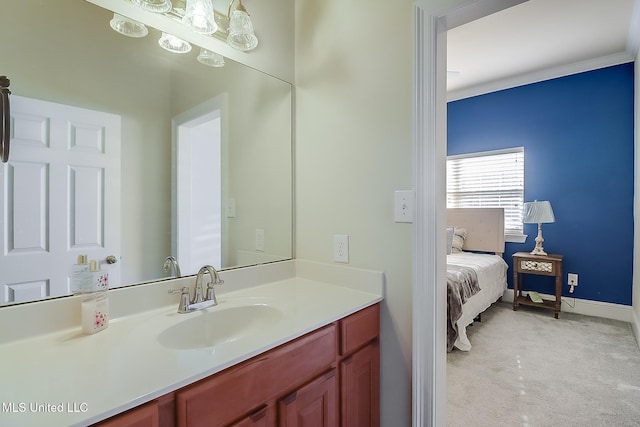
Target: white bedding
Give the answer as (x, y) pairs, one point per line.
(492, 278)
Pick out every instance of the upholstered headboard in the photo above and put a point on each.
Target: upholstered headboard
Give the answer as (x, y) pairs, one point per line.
(485, 228)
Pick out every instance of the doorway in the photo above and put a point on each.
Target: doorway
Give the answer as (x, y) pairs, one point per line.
(197, 220)
(431, 23)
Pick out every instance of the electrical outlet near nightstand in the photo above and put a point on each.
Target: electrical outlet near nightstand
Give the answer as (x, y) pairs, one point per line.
(572, 279)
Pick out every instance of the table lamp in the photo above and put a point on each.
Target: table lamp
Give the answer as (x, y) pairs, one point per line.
(538, 213)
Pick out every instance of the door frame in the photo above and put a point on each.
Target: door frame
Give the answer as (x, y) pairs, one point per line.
(432, 19)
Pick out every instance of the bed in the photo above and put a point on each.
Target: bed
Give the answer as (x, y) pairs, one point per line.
(481, 255)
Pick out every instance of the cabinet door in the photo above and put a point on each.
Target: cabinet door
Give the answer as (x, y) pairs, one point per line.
(219, 400)
(142, 416)
(360, 388)
(263, 417)
(314, 405)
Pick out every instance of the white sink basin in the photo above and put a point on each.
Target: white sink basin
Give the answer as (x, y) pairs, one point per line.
(216, 326)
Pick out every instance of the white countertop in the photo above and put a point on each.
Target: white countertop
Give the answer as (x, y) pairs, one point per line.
(66, 378)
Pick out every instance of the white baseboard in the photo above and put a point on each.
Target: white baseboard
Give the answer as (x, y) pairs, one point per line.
(606, 310)
(635, 324)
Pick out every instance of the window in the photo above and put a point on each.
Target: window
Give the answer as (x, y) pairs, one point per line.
(490, 179)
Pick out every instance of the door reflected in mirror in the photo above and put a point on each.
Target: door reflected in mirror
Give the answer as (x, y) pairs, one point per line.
(224, 131)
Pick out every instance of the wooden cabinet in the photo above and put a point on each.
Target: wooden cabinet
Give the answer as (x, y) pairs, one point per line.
(360, 369)
(327, 378)
(146, 415)
(263, 417)
(359, 388)
(314, 405)
(224, 397)
(546, 265)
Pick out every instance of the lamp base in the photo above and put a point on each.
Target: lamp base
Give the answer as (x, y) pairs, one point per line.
(538, 250)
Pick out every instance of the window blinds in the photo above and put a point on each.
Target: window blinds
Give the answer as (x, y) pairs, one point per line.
(489, 179)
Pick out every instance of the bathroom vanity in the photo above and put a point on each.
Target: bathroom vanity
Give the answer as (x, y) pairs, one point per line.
(290, 343)
(328, 377)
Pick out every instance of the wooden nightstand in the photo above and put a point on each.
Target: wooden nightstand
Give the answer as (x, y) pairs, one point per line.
(546, 265)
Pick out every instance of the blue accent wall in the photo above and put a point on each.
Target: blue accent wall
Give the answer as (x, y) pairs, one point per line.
(577, 133)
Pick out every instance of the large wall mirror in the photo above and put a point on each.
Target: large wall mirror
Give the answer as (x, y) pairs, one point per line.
(198, 165)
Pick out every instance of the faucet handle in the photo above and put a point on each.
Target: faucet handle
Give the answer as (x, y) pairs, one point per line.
(183, 307)
(211, 294)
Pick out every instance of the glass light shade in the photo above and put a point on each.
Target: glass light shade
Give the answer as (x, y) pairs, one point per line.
(538, 213)
(210, 58)
(128, 27)
(241, 34)
(199, 16)
(156, 6)
(174, 44)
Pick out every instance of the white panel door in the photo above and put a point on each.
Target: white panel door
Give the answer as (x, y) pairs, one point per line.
(60, 194)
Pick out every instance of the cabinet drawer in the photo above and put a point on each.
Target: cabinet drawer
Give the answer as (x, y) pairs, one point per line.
(359, 328)
(537, 267)
(232, 393)
(143, 416)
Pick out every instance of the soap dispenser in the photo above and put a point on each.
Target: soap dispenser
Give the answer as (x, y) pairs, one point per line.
(95, 313)
(95, 306)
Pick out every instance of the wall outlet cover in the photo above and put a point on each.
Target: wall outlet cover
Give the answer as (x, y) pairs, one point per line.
(341, 248)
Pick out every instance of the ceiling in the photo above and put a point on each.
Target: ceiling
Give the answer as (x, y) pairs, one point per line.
(538, 40)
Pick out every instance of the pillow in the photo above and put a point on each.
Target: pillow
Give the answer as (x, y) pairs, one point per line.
(459, 234)
(449, 239)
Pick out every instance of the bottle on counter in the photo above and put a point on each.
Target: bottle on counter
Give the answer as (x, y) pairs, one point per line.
(95, 313)
(80, 275)
(95, 306)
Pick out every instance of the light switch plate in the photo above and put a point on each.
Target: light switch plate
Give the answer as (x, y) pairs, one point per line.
(231, 208)
(403, 206)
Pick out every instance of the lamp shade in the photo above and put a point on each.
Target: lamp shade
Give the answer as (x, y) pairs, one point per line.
(212, 59)
(199, 16)
(155, 6)
(538, 212)
(174, 44)
(241, 35)
(128, 27)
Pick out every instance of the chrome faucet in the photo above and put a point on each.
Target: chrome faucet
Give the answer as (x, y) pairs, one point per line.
(199, 300)
(215, 280)
(169, 262)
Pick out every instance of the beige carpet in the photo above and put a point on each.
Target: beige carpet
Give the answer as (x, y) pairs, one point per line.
(528, 369)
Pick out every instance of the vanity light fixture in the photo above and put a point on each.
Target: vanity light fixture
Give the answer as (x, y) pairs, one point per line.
(538, 213)
(173, 44)
(199, 16)
(128, 27)
(155, 6)
(241, 35)
(210, 58)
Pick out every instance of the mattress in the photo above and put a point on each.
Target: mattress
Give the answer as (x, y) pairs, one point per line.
(492, 278)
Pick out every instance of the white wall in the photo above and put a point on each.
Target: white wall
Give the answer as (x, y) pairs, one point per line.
(257, 150)
(353, 149)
